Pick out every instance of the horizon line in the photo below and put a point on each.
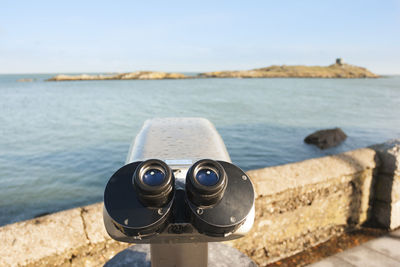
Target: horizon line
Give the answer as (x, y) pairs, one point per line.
(112, 72)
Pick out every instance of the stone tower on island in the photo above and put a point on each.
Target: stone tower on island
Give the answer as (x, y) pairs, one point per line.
(339, 61)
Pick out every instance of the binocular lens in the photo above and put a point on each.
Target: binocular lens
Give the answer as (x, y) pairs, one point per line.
(153, 177)
(207, 177)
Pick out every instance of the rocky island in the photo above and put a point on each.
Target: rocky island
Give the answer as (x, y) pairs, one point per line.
(337, 70)
(138, 75)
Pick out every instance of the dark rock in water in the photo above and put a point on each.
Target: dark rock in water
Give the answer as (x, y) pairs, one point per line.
(326, 138)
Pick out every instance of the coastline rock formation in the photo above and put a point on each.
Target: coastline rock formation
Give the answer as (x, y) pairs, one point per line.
(26, 80)
(337, 70)
(326, 138)
(138, 75)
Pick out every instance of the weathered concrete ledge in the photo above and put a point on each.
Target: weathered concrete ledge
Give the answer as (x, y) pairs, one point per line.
(297, 206)
(303, 204)
(71, 237)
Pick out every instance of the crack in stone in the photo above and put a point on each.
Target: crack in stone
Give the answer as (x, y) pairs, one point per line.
(83, 210)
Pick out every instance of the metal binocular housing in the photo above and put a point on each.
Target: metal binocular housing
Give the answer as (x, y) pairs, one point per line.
(145, 203)
(177, 192)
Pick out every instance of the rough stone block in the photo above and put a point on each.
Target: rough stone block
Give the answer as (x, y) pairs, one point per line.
(93, 222)
(387, 214)
(389, 154)
(309, 215)
(30, 241)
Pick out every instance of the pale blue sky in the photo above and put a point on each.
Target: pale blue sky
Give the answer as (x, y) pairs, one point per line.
(108, 36)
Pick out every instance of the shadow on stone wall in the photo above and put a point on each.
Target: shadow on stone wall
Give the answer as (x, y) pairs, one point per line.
(386, 205)
(360, 212)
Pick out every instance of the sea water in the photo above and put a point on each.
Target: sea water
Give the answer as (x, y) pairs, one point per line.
(61, 141)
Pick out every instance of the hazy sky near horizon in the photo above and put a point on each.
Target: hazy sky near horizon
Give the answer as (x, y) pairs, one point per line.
(117, 36)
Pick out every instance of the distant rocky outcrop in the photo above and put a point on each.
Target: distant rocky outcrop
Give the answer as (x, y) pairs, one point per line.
(337, 70)
(326, 138)
(138, 75)
(26, 80)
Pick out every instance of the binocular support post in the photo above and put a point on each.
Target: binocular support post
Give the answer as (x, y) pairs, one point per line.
(180, 254)
(181, 142)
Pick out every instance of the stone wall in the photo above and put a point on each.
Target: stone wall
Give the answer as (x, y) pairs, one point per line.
(303, 204)
(297, 206)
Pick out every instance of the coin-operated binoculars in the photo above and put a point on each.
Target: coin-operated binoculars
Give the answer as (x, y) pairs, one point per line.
(178, 192)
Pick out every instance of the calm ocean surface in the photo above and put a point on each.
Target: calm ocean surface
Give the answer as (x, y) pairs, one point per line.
(60, 142)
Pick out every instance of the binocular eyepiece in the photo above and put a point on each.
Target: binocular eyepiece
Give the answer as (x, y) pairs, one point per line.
(153, 182)
(143, 199)
(206, 183)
